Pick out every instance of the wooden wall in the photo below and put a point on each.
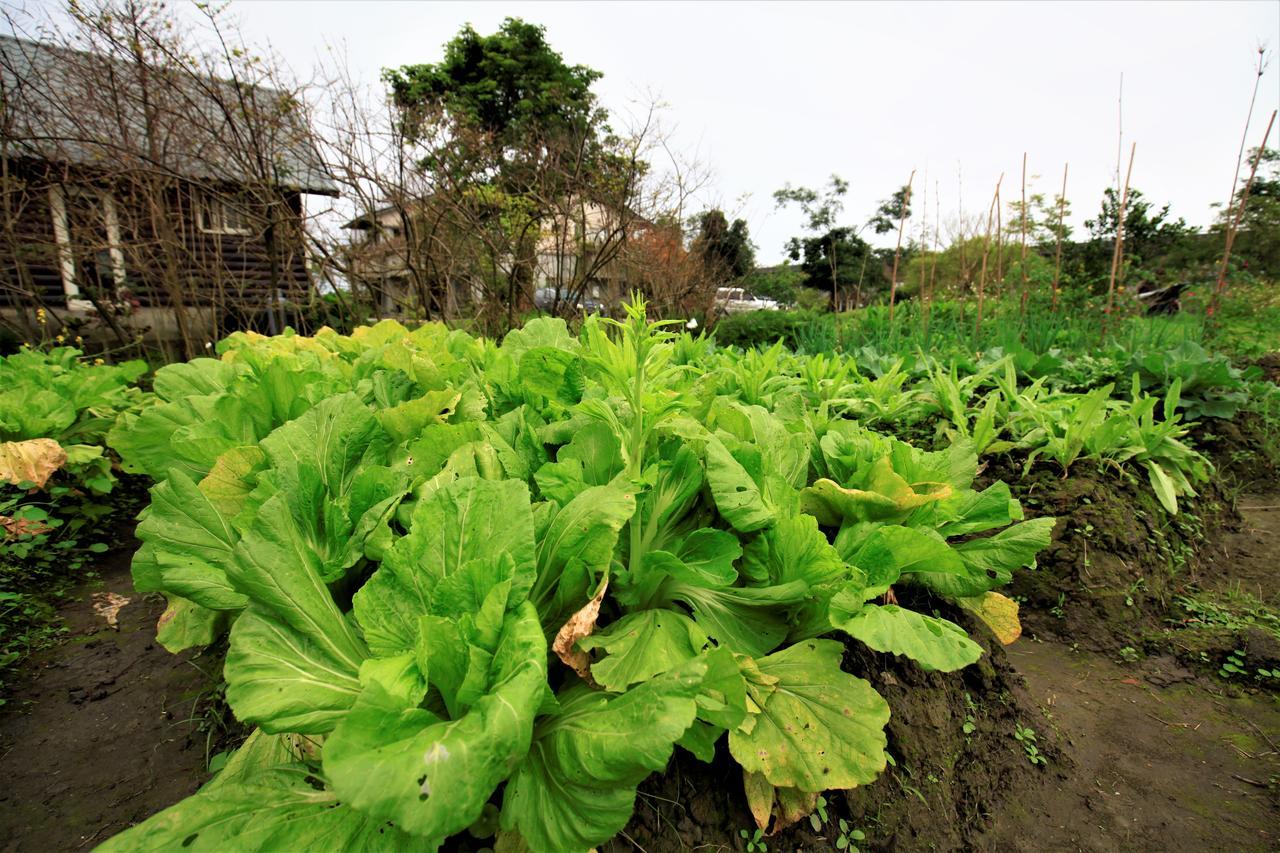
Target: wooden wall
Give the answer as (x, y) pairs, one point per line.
(165, 254)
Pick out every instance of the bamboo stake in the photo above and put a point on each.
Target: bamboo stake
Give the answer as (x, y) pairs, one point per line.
(986, 246)
(1057, 261)
(937, 249)
(999, 242)
(1118, 254)
(1022, 258)
(1248, 120)
(902, 221)
(1239, 214)
(924, 235)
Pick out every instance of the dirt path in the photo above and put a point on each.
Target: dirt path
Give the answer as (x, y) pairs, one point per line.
(100, 736)
(1160, 763)
(1163, 759)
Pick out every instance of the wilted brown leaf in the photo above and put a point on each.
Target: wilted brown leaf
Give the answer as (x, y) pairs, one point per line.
(580, 625)
(32, 461)
(15, 527)
(107, 605)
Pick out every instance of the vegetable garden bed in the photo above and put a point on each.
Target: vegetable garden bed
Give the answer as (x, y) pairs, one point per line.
(623, 588)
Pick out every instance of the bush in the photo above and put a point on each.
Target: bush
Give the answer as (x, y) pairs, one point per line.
(765, 328)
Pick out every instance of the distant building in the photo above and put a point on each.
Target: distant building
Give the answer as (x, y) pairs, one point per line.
(171, 200)
(403, 263)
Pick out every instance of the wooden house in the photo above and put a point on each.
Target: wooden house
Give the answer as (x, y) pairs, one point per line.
(141, 195)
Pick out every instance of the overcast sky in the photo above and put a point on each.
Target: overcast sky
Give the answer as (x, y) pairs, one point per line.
(770, 93)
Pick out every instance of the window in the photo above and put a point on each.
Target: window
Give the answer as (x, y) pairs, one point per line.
(220, 215)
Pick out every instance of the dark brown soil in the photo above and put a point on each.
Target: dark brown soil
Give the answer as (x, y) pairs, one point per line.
(1118, 561)
(101, 733)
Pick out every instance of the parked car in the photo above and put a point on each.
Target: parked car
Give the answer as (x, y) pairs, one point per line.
(544, 298)
(736, 300)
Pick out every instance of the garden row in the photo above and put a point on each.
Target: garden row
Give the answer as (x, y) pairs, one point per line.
(470, 586)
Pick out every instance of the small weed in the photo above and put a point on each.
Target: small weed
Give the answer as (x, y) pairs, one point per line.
(1059, 610)
(970, 720)
(1027, 737)
(754, 841)
(848, 836)
(1130, 655)
(819, 817)
(1234, 665)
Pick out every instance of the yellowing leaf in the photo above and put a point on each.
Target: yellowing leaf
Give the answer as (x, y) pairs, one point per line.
(784, 805)
(998, 612)
(32, 461)
(759, 797)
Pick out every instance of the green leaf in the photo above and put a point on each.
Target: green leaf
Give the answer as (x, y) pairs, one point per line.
(577, 786)
(275, 809)
(294, 660)
(552, 373)
(185, 624)
(748, 620)
(1012, 548)
(469, 520)
(583, 532)
(406, 421)
(642, 645)
(188, 546)
(818, 728)
(736, 494)
(892, 551)
(397, 762)
(230, 481)
(969, 512)
(794, 549)
(935, 644)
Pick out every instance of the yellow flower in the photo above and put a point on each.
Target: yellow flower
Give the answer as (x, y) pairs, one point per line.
(79, 340)
(98, 361)
(61, 338)
(40, 318)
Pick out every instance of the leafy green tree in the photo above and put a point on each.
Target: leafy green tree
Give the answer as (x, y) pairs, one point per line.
(1258, 241)
(1150, 235)
(839, 262)
(515, 154)
(891, 211)
(724, 248)
(1042, 220)
(510, 85)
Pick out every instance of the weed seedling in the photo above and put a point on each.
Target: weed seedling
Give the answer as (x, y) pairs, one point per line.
(970, 721)
(754, 841)
(1234, 665)
(848, 835)
(1027, 737)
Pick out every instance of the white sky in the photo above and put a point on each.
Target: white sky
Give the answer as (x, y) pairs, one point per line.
(767, 93)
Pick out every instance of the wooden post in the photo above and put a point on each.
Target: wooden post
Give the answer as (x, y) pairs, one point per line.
(986, 246)
(1118, 255)
(1235, 220)
(1022, 257)
(1057, 261)
(902, 221)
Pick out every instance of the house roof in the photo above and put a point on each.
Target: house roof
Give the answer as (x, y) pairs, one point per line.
(82, 108)
(366, 220)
